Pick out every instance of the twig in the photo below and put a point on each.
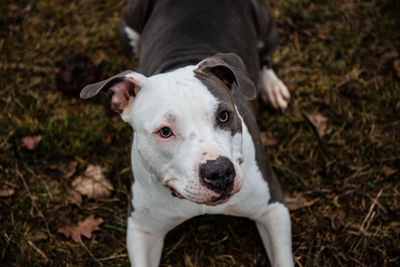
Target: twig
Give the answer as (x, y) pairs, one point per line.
(175, 246)
(8, 240)
(367, 221)
(30, 243)
(90, 253)
(112, 257)
(296, 259)
(19, 174)
(370, 212)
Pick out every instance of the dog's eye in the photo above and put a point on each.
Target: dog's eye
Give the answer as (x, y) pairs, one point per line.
(165, 132)
(224, 116)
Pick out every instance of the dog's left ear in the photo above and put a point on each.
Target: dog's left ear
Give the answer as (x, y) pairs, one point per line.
(121, 89)
(230, 69)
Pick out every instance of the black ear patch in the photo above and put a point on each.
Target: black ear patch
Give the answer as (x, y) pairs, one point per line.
(230, 69)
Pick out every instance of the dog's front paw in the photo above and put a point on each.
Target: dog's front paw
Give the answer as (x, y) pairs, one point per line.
(273, 90)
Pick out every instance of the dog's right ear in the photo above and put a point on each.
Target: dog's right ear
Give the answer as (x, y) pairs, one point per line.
(121, 88)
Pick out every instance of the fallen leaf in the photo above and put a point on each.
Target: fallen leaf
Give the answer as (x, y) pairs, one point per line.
(65, 170)
(298, 202)
(324, 34)
(93, 183)
(74, 197)
(31, 142)
(40, 236)
(75, 72)
(387, 171)
(110, 137)
(85, 228)
(268, 139)
(319, 122)
(7, 192)
(396, 66)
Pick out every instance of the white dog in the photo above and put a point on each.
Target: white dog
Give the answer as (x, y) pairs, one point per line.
(196, 147)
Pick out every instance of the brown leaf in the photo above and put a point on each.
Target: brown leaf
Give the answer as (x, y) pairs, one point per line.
(110, 137)
(268, 139)
(93, 183)
(40, 236)
(387, 171)
(65, 170)
(298, 202)
(75, 72)
(7, 192)
(396, 66)
(324, 34)
(31, 142)
(85, 228)
(394, 224)
(74, 197)
(319, 122)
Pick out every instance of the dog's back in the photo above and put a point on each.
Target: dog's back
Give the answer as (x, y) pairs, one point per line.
(176, 33)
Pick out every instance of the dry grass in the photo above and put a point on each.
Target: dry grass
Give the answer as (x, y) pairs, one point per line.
(336, 56)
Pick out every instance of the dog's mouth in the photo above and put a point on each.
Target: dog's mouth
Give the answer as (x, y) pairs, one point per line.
(215, 201)
(175, 193)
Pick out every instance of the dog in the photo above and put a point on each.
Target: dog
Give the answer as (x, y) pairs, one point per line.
(196, 146)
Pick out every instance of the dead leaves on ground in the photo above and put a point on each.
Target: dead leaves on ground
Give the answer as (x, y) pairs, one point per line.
(325, 34)
(31, 142)
(298, 202)
(75, 72)
(319, 123)
(7, 191)
(268, 139)
(39, 236)
(387, 171)
(65, 170)
(85, 228)
(93, 183)
(74, 197)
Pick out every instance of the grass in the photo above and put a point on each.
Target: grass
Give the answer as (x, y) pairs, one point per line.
(336, 57)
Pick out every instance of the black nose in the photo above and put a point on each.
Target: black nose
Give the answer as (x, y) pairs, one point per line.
(218, 175)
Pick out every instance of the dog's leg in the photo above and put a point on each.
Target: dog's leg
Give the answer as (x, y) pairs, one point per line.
(273, 90)
(144, 247)
(132, 23)
(275, 230)
(130, 38)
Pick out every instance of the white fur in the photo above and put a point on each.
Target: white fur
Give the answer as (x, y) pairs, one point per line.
(275, 230)
(273, 89)
(134, 39)
(179, 100)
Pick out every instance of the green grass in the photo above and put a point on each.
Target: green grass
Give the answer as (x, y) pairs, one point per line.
(336, 56)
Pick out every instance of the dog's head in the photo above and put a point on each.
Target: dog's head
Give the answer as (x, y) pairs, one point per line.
(187, 130)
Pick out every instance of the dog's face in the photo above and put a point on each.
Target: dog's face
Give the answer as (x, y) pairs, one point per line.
(187, 131)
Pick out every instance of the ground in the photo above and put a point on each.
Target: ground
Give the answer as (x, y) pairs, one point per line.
(337, 57)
